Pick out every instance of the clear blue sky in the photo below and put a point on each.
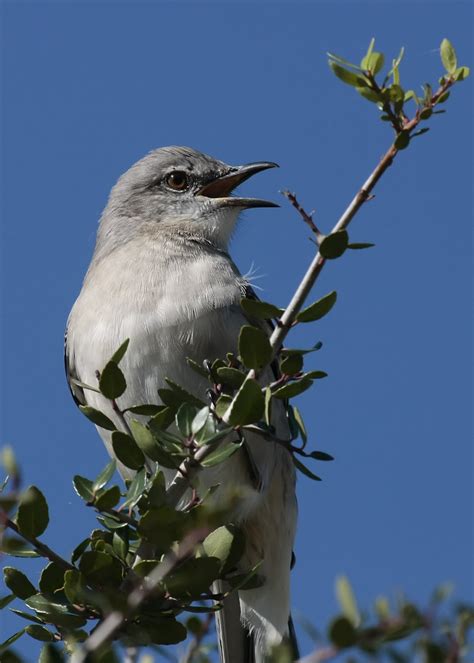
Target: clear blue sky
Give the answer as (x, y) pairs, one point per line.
(91, 87)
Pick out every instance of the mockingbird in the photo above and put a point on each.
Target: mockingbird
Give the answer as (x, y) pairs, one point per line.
(162, 277)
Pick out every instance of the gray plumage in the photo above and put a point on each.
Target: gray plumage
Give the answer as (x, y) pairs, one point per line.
(161, 276)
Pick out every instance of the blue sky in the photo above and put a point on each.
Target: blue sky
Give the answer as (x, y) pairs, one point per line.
(91, 87)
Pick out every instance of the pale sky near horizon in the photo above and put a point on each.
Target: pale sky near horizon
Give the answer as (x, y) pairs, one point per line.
(90, 87)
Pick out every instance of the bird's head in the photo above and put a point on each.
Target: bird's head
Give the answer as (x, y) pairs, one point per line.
(177, 189)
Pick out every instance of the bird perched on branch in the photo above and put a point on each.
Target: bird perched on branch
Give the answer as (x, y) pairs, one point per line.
(161, 276)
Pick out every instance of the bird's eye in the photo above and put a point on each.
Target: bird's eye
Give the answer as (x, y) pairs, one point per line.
(177, 180)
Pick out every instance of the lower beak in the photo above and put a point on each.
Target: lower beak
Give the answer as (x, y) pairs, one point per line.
(221, 188)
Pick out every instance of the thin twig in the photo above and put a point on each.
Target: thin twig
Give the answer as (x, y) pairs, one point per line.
(307, 218)
(43, 549)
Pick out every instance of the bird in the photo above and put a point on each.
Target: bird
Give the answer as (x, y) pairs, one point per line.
(161, 275)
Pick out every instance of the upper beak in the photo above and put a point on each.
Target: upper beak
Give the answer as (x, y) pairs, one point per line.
(222, 187)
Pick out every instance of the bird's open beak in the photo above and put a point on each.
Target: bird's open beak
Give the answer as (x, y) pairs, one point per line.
(222, 187)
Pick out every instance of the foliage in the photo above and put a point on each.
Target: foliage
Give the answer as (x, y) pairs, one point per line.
(159, 547)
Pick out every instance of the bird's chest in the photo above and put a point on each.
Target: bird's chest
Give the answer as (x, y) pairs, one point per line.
(169, 310)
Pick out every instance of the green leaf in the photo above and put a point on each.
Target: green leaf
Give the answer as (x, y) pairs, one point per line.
(39, 633)
(54, 613)
(360, 245)
(261, 310)
(347, 76)
(444, 97)
(33, 515)
(156, 631)
(293, 389)
(222, 404)
(197, 367)
(319, 309)
(402, 140)
(254, 347)
(334, 245)
(373, 62)
(6, 600)
(291, 364)
(193, 577)
(461, 73)
(112, 383)
(108, 498)
(16, 547)
(118, 354)
(84, 488)
(222, 453)
(101, 568)
(448, 56)
(225, 543)
(136, 488)
(286, 352)
(145, 410)
(52, 578)
(344, 63)
(248, 404)
(342, 633)
(127, 450)
(184, 418)
(426, 113)
(370, 95)
(27, 615)
(163, 419)
(105, 476)
(206, 437)
(162, 526)
(97, 417)
(18, 583)
(200, 420)
(347, 601)
(74, 586)
(304, 470)
(320, 455)
(300, 423)
(315, 375)
(231, 376)
(145, 440)
(181, 395)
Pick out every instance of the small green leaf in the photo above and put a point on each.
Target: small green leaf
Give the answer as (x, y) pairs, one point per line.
(108, 498)
(304, 470)
(225, 543)
(127, 450)
(163, 419)
(261, 310)
(444, 97)
(448, 56)
(254, 347)
(33, 515)
(101, 568)
(197, 367)
(145, 440)
(6, 600)
(193, 578)
(184, 418)
(222, 405)
(145, 410)
(135, 489)
(118, 354)
(344, 63)
(342, 633)
(360, 245)
(300, 424)
(370, 95)
(74, 586)
(347, 601)
(402, 140)
(248, 404)
(181, 395)
(291, 364)
(320, 455)
(112, 383)
(461, 73)
(84, 488)
(39, 633)
(373, 62)
(347, 76)
(293, 388)
(334, 245)
(231, 376)
(426, 113)
(18, 583)
(200, 420)
(315, 375)
(105, 476)
(97, 417)
(52, 578)
(319, 309)
(222, 453)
